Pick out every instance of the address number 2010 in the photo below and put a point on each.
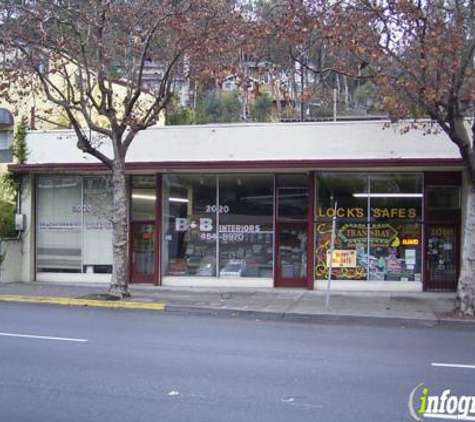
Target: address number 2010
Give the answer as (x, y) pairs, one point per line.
(223, 209)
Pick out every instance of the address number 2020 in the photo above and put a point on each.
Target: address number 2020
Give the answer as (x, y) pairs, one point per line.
(223, 209)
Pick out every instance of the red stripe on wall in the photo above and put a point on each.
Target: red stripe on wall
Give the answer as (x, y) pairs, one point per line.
(245, 165)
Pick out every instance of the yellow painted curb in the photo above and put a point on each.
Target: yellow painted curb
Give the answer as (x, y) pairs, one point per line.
(83, 302)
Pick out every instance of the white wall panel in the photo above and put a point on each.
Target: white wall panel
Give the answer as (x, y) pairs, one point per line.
(243, 142)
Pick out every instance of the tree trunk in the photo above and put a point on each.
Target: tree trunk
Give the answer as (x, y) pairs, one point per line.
(295, 94)
(120, 273)
(245, 104)
(302, 92)
(347, 94)
(465, 302)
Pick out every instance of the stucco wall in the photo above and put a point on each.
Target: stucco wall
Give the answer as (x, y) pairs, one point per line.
(248, 142)
(296, 141)
(28, 235)
(11, 267)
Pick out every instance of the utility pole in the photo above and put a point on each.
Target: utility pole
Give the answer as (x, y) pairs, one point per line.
(330, 264)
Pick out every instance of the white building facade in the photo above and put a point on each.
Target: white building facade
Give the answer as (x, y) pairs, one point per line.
(252, 206)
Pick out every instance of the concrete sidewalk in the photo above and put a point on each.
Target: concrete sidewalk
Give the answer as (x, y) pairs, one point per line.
(396, 309)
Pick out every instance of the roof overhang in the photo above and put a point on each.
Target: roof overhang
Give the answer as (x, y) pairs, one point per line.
(268, 165)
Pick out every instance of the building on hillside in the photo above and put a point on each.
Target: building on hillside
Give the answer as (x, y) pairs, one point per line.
(6, 136)
(27, 103)
(252, 205)
(26, 100)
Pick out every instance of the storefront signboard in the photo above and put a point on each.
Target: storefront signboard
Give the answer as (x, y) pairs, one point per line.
(380, 234)
(206, 225)
(360, 212)
(66, 226)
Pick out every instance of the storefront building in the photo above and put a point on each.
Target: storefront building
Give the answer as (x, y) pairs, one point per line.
(256, 218)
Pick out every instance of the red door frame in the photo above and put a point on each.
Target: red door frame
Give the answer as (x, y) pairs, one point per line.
(450, 286)
(288, 282)
(311, 231)
(441, 218)
(158, 232)
(156, 279)
(135, 277)
(308, 281)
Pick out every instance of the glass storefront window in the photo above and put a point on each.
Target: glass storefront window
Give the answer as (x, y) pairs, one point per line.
(97, 225)
(347, 190)
(395, 252)
(394, 196)
(378, 234)
(218, 225)
(246, 225)
(74, 230)
(443, 197)
(292, 196)
(189, 225)
(350, 251)
(143, 198)
(59, 224)
(394, 183)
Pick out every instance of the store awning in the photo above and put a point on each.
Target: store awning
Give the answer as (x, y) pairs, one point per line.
(6, 118)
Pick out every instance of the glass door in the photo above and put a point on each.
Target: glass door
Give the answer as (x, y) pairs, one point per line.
(143, 253)
(441, 258)
(291, 242)
(143, 204)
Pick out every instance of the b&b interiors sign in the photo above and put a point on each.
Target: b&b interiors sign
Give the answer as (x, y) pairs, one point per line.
(359, 212)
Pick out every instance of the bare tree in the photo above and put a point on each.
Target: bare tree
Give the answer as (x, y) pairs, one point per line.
(88, 57)
(423, 62)
(420, 57)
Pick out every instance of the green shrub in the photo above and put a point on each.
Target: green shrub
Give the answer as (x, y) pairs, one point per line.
(261, 108)
(222, 107)
(7, 220)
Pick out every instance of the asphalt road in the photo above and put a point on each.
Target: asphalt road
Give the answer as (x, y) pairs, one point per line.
(121, 365)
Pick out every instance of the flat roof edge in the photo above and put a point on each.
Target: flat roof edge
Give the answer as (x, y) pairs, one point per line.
(246, 165)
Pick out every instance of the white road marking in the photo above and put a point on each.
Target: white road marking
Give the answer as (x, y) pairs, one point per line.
(453, 365)
(77, 340)
(308, 405)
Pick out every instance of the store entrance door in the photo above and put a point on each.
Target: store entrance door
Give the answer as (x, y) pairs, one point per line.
(291, 247)
(442, 251)
(143, 253)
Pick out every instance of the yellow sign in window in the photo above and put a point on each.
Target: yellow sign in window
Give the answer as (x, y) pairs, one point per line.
(342, 258)
(408, 242)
